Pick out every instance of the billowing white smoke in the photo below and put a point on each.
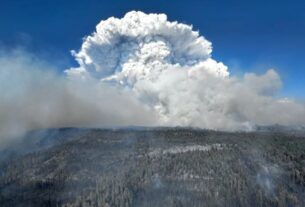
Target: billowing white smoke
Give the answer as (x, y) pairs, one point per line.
(168, 67)
(138, 70)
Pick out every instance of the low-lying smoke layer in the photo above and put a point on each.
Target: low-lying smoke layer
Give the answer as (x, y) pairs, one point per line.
(139, 70)
(33, 97)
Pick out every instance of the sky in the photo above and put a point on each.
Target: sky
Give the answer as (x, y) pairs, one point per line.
(247, 36)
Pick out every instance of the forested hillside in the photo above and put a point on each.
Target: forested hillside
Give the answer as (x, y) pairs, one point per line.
(154, 167)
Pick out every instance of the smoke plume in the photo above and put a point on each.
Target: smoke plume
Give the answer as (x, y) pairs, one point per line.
(139, 70)
(169, 67)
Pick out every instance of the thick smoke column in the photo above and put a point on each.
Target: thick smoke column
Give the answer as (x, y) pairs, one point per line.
(138, 70)
(169, 68)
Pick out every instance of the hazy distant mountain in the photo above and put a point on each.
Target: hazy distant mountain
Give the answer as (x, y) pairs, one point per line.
(281, 128)
(154, 167)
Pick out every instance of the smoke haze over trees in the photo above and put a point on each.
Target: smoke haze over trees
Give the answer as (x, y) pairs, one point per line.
(154, 167)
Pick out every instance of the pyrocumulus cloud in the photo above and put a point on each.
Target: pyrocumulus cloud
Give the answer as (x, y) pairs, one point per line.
(139, 70)
(169, 67)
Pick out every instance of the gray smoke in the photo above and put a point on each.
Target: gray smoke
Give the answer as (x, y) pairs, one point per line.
(33, 96)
